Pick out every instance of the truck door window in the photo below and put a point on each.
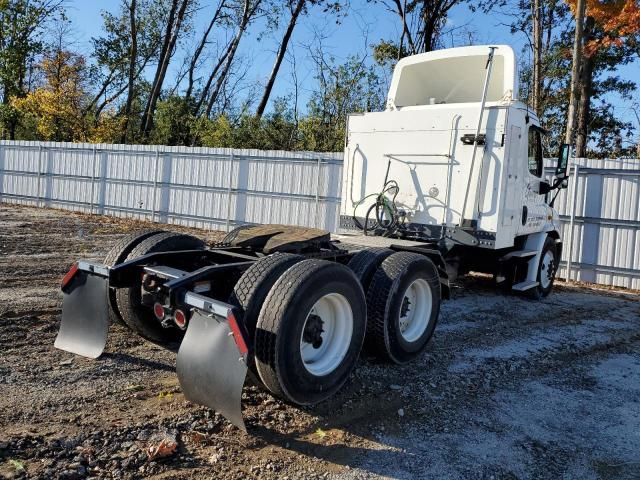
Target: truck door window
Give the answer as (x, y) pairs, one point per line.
(535, 152)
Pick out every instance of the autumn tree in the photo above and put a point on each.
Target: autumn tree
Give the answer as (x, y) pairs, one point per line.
(22, 27)
(56, 108)
(610, 38)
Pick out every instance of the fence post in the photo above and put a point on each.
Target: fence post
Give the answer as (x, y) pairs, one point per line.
(155, 185)
(574, 194)
(93, 177)
(39, 175)
(228, 222)
(315, 216)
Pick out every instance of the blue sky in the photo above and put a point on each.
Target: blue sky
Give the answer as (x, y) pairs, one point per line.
(362, 25)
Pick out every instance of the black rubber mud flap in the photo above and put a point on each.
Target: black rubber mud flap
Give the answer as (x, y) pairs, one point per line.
(210, 367)
(85, 316)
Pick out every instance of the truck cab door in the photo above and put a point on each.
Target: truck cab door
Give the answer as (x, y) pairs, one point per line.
(511, 202)
(534, 208)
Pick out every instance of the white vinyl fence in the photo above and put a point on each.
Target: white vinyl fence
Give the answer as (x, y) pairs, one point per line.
(200, 187)
(600, 213)
(223, 188)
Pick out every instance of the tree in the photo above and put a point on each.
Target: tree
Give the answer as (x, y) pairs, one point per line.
(610, 38)
(295, 9)
(173, 28)
(173, 121)
(56, 108)
(218, 15)
(578, 45)
(249, 10)
(22, 26)
(343, 88)
(133, 61)
(619, 21)
(128, 45)
(536, 18)
(421, 24)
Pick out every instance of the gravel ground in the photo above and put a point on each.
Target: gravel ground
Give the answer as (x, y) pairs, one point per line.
(508, 388)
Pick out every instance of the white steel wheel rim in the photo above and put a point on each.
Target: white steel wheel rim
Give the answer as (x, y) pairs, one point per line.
(336, 317)
(546, 270)
(415, 310)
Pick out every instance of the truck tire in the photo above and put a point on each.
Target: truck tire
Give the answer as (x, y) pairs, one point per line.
(310, 331)
(547, 269)
(137, 316)
(118, 253)
(253, 287)
(365, 263)
(403, 303)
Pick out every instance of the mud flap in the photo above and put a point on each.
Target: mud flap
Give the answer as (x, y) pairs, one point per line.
(210, 367)
(85, 316)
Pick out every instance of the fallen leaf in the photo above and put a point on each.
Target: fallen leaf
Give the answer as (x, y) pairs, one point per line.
(197, 437)
(165, 448)
(18, 465)
(321, 433)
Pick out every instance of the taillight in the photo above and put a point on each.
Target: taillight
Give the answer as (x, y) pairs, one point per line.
(158, 310)
(237, 333)
(70, 274)
(180, 318)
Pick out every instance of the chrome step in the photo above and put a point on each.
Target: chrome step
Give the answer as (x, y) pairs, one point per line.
(524, 286)
(520, 254)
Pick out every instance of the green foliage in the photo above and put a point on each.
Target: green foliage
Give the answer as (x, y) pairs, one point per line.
(173, 121)
(605, 128)
(22, 26)
(54, 94)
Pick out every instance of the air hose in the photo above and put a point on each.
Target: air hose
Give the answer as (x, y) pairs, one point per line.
(386, 214)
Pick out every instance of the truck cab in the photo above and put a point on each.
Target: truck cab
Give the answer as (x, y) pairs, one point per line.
(456, 151)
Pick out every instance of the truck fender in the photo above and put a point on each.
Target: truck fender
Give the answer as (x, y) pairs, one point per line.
(535, 241)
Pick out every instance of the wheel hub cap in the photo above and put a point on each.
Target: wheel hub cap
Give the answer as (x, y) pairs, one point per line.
(313, 330)
(326, 334)
(547, 269)
(415, 310)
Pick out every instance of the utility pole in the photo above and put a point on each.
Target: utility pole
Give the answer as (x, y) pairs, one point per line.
(575, 70)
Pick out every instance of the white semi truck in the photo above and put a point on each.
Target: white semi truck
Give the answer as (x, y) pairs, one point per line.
(448, 179)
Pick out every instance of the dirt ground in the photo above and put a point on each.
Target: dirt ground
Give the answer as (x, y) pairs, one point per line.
(508, 388)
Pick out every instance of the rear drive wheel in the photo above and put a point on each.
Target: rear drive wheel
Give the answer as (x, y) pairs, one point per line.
(254, 285)
(137, 316)
(310, 331)
(403, 303)
(365, 263)
(547, 269)
(117, 255)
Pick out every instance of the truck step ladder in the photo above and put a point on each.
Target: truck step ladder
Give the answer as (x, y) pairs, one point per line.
(518, 254)
(524, 286)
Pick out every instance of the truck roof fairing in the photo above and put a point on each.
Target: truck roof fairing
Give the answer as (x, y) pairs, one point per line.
(454, 75)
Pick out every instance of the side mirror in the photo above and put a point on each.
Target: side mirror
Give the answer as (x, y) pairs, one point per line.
(563, 160)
